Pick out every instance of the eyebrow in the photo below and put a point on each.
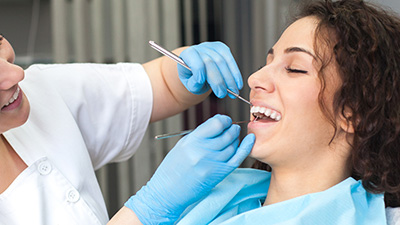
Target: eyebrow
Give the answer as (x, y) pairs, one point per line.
(293, 49)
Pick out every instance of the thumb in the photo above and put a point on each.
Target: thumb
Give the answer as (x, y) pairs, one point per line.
(243, 151)
(192, 85)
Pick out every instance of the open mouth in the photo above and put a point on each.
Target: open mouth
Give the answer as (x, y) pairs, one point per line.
(12, 99)
(263, 114)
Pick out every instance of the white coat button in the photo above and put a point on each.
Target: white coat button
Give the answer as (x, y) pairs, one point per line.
(72, 196)
(44, 168)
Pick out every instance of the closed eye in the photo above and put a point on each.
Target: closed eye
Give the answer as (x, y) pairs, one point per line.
(290, 70)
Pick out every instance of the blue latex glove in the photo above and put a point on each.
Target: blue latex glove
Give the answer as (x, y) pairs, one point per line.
(197, 163)
(212, 65)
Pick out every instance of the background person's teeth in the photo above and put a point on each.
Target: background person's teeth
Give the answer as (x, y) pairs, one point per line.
(13, 98)
(16, 94)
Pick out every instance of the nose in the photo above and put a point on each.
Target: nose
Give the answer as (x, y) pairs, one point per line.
(261, 80)
(10, 74)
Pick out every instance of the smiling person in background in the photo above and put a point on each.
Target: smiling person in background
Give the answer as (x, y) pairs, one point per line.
(326, 122)
(61, 122)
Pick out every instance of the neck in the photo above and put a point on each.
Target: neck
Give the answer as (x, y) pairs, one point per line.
(311, 177)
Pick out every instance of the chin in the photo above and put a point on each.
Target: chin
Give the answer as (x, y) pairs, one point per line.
(25, 111)
(257, 153)
(265, 152)
(18, 119)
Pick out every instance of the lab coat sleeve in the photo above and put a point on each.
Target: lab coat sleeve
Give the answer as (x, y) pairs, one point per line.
(111, 104)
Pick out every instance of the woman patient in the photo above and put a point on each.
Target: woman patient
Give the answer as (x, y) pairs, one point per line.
(326, 120)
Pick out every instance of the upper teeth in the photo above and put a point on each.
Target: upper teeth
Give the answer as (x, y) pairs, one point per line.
(260, 112)
(12, 99)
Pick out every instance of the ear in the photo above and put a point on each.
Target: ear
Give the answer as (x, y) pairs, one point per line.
(346, 125)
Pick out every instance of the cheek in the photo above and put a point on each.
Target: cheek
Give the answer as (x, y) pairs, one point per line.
(17, 118)
(301, 100)
(304, 112)
(307, 124)
(251, 95)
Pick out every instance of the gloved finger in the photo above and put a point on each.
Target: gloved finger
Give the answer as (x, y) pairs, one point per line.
(213, 75)
(226, 53)
(194, 87)
(185, 70)
(222, 77)
(212, 127)
(226, 138)
(243, 151)
(225, 154)
(194, 61)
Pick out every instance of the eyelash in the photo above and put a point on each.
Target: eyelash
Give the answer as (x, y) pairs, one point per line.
(290, 70)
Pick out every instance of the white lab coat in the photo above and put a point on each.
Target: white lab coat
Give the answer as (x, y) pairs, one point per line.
(82, 117)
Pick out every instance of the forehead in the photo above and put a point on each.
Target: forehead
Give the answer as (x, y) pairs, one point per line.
(299, 34)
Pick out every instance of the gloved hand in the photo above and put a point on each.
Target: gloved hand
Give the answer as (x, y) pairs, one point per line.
(197, 163)
(212, 65)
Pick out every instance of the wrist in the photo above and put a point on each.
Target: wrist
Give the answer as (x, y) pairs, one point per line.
(150, 209)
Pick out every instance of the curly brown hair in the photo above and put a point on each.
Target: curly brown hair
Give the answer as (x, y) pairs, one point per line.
(365, 44)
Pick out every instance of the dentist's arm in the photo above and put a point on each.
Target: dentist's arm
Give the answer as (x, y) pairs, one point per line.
(125, 216)
(176, 88)
(170, 96)
(197, 163)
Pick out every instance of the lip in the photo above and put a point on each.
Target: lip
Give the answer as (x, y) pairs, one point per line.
(16, 103)
(262, 128)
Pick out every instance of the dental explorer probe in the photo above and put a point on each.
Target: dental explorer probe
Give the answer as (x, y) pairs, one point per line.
(180, 61)
(163, 136)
